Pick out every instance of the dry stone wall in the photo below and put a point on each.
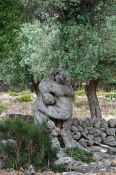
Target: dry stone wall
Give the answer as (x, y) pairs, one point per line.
(90, 132)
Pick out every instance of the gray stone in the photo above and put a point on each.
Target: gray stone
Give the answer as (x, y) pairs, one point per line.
(111, 150)
(77, 136)
(55, 143)
(65, 161)
(30, 171)
(61, 154)
(80, 129)
(84, 135)
(90, 130)
(89, 122)
(71, 173)
(90, 140)
(83, 125)
(103, 129)
(83, 142)
(103, 136)
(112, 123)
(96, 132)
(74, 129)
(51, 125)
(76, 122)
(54, 133)
(86, 131)
(111, 131)
(110, 140)
(97, 140)
(90, 137)
(97, 123)
(69, 142)
(104, 124)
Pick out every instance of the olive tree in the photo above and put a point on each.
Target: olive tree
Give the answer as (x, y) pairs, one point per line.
(77, 35)
(80, 38)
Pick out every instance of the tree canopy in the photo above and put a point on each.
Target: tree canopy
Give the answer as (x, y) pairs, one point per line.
(78, 35)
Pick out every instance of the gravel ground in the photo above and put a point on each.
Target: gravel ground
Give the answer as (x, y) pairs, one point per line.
(20, 173)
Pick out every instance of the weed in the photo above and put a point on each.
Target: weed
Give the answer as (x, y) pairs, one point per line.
(3, 106)
(79, 154)
(13, 94)
(59, 168)
(24, 97)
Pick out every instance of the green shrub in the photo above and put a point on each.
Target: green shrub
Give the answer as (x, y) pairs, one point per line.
(111, 95)
(3, 106)
(59, 168)
(25, 96)
(32, 144)
(13, 94)
(79, 154)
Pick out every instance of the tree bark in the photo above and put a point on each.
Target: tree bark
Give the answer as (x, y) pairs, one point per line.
(34, 87)
(93, 102)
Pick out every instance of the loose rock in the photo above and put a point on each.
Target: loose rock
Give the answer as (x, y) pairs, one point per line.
(112, 123)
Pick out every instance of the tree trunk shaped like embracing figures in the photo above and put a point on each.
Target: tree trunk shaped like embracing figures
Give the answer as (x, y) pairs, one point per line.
(54, 101)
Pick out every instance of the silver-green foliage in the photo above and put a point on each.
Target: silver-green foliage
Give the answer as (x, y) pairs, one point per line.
(39, 48)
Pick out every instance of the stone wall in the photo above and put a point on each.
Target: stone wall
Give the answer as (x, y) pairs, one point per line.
(90, 132)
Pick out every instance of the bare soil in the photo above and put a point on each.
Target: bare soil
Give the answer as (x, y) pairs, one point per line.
(80, 110)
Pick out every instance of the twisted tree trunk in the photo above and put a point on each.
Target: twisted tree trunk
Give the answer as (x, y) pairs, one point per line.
(93, 102)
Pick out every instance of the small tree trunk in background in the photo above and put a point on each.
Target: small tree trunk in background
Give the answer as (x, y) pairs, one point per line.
(93, 102)
(34, 87)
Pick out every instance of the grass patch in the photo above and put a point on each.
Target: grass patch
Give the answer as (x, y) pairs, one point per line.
(3, 106)
(111, 95)
(101, 93)
(81, 155)
(13, 94)
(25, 96)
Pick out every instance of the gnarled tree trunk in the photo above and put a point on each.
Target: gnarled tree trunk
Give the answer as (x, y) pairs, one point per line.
(93, 102)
